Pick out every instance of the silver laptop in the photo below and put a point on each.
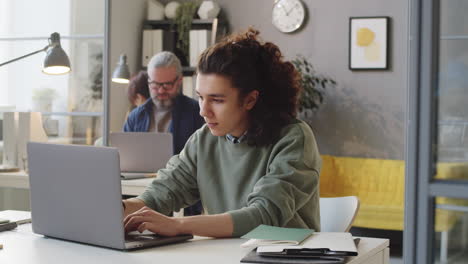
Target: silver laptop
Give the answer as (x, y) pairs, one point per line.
(142, 154)
(76, 195)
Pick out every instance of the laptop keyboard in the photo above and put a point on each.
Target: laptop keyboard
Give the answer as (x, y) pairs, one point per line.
(140, 237)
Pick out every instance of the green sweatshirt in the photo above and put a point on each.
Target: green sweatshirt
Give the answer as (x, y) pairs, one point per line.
(274, 185)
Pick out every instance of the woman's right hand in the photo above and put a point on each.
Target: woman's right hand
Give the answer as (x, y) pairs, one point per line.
(148, 219)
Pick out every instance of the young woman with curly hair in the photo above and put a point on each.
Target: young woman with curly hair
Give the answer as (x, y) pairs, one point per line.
(252, 162)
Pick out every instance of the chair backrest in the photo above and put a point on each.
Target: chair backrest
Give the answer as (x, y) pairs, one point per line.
(337, 213)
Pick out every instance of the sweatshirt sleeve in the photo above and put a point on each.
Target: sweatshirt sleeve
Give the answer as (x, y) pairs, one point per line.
(175, 187)
(288, 193)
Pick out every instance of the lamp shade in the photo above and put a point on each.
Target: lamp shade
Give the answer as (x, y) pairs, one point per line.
(121, 73)
(56, 60)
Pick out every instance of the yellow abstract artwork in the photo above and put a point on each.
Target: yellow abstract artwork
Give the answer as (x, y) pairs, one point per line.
(368, 43)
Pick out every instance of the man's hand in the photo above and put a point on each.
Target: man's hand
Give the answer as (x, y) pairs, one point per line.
(148, 219)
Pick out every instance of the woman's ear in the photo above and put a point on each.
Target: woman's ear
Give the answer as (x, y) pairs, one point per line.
(251, 99)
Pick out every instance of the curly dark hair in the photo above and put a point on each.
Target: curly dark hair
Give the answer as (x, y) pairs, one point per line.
(251, 64)
(138, 85)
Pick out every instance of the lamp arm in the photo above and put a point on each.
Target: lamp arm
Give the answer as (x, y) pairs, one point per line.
(27, 55)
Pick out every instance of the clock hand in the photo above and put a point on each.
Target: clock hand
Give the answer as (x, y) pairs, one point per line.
(285, 11)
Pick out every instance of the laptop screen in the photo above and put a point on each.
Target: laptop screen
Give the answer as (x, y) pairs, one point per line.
(141, 151)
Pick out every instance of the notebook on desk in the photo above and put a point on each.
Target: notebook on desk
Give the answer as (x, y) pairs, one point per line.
(75, 195)
(142, 154)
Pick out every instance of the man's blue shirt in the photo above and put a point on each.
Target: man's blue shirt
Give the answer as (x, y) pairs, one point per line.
(186, 119)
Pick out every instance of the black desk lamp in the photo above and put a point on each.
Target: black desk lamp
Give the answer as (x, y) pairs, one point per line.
(56, 60)
(121, 73)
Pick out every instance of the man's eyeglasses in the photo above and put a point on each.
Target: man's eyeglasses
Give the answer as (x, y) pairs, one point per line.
(165, 85)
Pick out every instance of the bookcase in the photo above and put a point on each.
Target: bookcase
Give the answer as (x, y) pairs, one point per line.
(159, 35)
(162, 35)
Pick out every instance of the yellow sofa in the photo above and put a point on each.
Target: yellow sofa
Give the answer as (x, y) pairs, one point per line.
(379, 184)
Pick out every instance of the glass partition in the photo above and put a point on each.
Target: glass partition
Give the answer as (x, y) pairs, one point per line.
(71, 105)
(451, 229)
(436, 195)
(452, 91)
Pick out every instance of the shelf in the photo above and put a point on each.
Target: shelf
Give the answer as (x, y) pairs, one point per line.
(170, 38)
(200, 22)
(186, 70)
(196, 24)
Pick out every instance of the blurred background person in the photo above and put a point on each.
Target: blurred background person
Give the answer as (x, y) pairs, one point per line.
(137, 90)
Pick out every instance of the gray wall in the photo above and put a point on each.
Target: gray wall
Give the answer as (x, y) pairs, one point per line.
(364, 115)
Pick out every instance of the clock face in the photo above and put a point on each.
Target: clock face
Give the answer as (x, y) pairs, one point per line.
(288, 15)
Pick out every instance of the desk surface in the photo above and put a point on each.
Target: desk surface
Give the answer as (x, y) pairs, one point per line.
(20, 180)
(22, 246)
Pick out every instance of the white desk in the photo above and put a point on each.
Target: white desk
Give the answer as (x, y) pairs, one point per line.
(20, 180)
(22, 246)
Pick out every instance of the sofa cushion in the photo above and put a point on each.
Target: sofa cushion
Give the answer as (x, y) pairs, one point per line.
(380, 186)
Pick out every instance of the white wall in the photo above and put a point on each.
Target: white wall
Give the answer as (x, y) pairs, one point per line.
(125, 37)
(20, 78)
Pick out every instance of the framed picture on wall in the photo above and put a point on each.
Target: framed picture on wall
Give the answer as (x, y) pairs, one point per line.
(368, 43)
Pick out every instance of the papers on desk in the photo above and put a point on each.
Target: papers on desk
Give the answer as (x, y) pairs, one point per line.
(326, 247)
(20, 217)
(319, 244)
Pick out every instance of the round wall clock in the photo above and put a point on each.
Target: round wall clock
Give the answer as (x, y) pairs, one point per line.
(288, 15)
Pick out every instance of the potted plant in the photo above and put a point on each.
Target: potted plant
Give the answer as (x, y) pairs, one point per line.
(183, 20)
(313, 84)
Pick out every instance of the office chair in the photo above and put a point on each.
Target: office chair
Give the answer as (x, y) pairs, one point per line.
(337, 213)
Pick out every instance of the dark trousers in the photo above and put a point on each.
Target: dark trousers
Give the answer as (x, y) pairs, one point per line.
(195, 209)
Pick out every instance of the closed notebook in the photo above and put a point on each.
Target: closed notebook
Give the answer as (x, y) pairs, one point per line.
(273, 235)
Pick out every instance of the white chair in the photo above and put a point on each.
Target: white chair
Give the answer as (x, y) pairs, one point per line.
(337, 213)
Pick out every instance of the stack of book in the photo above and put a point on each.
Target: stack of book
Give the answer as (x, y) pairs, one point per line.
(297, 245)
(199, 41)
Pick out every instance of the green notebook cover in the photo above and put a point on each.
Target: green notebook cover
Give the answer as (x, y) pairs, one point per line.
(274, 233)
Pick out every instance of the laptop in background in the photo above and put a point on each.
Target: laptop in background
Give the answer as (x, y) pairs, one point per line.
(75, 195)
(142, 154)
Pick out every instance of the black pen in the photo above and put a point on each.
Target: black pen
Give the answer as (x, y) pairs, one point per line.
(8, 226)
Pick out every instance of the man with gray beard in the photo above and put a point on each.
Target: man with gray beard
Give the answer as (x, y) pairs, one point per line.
(168, 110)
